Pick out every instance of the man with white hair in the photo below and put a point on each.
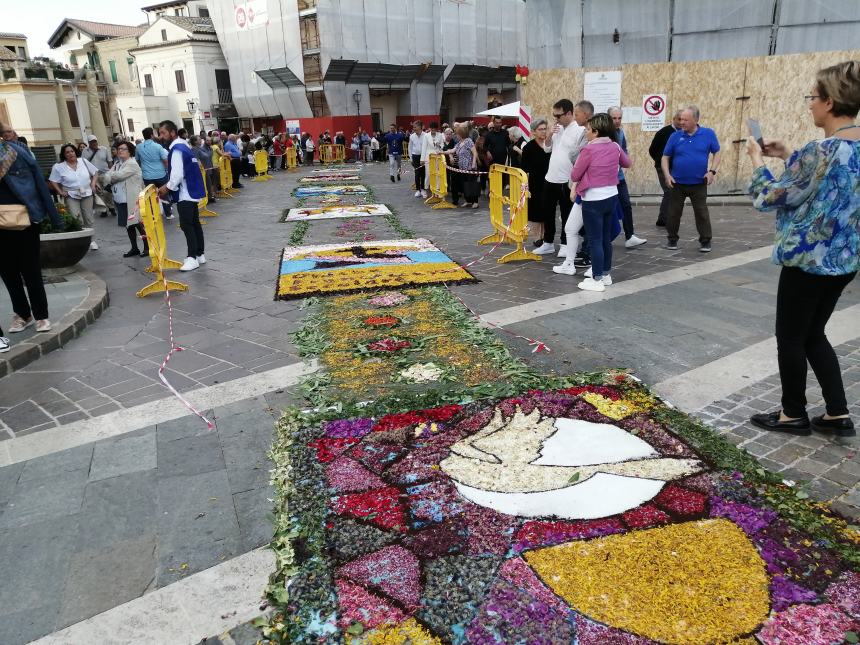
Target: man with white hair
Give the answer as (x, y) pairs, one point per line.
(99, 156)
(690, 162)
(632, 241)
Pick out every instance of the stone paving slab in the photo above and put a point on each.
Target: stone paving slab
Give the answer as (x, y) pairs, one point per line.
(86, 529)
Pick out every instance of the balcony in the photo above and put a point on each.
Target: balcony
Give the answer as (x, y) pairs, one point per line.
(225, 95)
(27, 72)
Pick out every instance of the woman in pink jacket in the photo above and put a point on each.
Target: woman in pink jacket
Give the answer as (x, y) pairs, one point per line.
(595, 174)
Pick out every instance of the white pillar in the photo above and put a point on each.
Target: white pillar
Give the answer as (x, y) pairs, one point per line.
(67, 134)
(97, 123)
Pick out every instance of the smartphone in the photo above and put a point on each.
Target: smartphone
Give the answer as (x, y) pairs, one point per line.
(755, 131)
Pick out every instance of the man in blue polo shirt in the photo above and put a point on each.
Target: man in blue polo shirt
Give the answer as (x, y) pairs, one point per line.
(689, 168)
(151, 156)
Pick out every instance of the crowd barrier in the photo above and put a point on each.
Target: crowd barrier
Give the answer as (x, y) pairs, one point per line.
(438, 179)
(405, 145)
(225, 173)
(292, 159)
(261, 166)
(203, 204)
(516, 229)
(150, 216)
(332, 153)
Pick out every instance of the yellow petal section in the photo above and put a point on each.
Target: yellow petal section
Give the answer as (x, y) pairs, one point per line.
(409, 632)
(685, 584)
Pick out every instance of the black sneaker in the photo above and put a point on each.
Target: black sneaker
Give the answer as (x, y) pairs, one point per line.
(391, 177)
(660, 223)
(581, 262)
(131, 254)
(705, 247)
(671, 246)
(840, 427)
(398, 177)
(770, 421)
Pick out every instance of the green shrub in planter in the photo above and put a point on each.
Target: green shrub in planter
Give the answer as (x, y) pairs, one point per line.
(71, 223)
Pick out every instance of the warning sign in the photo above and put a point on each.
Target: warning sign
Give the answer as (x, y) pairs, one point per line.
(653, 112)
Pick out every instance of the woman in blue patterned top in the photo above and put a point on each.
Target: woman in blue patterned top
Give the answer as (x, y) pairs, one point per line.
(817, 204)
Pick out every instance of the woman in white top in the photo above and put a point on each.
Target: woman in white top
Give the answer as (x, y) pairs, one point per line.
(126, 182)
(75, 180)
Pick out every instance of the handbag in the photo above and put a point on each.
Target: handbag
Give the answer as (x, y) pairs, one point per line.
(14, 217)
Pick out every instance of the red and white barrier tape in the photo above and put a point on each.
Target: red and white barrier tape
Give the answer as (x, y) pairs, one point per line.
(173, 349)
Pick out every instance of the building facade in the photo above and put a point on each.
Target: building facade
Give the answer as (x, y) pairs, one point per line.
(15, 43)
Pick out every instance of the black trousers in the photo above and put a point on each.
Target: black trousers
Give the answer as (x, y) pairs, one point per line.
(663, 216)
(804, 303)
(626, 209)
(419, 172)
(189, 222)
(555, 194)
(20, 266)
(458, 185)
(236, 169)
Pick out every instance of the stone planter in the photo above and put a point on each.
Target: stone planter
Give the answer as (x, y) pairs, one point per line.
(64, 250)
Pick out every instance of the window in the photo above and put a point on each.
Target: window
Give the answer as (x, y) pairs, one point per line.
(73, 60)
(112, 66)
(180, 80)
(132, 69)
(73, 114)
(131, 125)
(203, 12)
(147, 80)
(22, 53)
(164, 35)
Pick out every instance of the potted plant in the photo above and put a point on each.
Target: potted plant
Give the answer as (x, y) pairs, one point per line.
(63, 250)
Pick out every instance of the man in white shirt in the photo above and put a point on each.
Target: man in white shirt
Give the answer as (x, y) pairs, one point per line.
(416, 146)
(186, 188)
(99, 156)
(568, 139)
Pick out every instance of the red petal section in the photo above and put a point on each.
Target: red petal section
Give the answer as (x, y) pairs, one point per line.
(380, 506)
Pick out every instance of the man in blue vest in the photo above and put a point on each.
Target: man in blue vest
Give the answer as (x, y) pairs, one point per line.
(186, 188)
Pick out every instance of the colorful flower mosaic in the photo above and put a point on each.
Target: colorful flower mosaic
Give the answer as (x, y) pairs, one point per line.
(343, 268)
(335, 212)
(421, 527)
(322, 178)
(336, 189)
(364, 357)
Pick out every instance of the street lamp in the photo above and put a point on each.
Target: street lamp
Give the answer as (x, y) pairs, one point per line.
(356, 96)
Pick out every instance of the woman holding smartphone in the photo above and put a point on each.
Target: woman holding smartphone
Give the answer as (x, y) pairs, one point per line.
(817, 204)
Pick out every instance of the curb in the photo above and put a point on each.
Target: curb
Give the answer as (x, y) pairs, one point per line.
(68, 327)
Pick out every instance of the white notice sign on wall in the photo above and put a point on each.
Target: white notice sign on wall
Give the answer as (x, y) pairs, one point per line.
(653, 112)
(603, 89)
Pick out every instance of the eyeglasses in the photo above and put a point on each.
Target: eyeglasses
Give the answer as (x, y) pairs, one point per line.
(810, 97)
(557, 116)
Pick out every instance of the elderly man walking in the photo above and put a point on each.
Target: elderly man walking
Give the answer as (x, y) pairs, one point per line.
(655, 151)
(99, 156)
(631, 240)
(690, 163)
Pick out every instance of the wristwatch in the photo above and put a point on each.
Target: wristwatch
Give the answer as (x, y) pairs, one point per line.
(712, 171)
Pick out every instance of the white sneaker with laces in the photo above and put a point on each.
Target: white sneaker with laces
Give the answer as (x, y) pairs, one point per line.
(424, 194)
(590, 284)
(4, 344)
(201, 259)
(633, 242)
(94, 246)
(565, 268)
(189, 265)
(562, 250)
(545, 249)
(418, 193)
(607, 279)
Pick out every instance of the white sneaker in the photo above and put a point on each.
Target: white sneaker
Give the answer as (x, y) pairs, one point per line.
(545, 249)
(201, 259)
(94, 246)
(562, 251)
(189, 265)
(4, 344)
(565, 268)
(589, 284)
(424, 194)
(171, 216)
(418, 193)
(633, 242)
(607, 279)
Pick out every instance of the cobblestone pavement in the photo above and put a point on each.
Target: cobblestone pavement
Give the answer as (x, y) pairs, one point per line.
(68, 518)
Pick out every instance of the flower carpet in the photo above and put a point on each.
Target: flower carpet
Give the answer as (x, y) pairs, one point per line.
(322, 178)
(341, 268)
(334, 189)
(577, 514)
(335, 211)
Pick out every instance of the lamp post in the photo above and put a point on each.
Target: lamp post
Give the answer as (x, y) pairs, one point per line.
(356, 96)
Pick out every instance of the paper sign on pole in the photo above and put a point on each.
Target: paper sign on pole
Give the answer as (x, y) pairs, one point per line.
(603, 89)
(653, 112)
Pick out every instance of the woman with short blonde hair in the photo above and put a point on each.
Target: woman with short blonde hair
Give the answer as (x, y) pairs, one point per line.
(817, 204)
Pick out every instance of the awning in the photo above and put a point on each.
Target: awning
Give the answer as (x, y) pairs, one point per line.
(511, 109)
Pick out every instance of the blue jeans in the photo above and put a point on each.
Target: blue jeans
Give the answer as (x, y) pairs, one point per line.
(597, 218)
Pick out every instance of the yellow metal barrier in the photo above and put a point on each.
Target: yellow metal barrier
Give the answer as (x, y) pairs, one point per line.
(438, 179)
(225, 173)
(332, 153)
(516, 229)
(261, 165)
(203, 204)
(405, 145)
(292, 160)
(150, 216)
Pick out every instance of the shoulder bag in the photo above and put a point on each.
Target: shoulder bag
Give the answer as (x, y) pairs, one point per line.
(14, 217)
